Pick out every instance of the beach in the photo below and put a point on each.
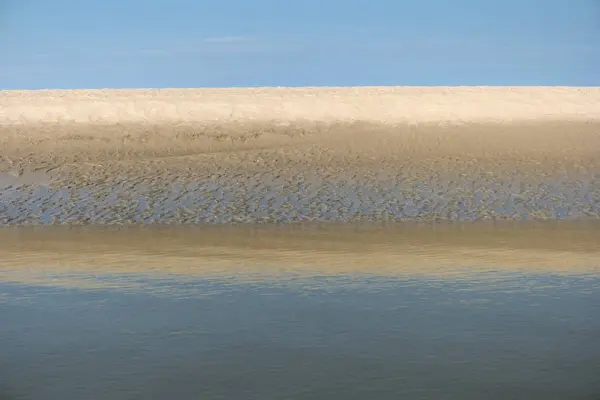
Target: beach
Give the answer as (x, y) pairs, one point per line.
(300, 243)
(281, 155)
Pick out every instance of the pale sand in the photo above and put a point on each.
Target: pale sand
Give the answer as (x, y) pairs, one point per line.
(367, 104)
(291, 155)
(480, 251)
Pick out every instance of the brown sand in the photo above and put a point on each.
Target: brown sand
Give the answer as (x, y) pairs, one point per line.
(240, 136)
(339, 128)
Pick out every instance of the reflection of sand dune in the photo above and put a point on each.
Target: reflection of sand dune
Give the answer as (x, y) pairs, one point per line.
(564, 248)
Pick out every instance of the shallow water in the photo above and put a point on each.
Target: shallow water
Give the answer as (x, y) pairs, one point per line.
(312, 313)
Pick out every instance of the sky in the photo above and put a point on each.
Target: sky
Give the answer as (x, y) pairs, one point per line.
(69, 44)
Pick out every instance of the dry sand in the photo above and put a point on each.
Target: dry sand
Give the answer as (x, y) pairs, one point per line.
(307, 154)
(365, 104)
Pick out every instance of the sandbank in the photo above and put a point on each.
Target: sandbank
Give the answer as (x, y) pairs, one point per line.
(299, 154)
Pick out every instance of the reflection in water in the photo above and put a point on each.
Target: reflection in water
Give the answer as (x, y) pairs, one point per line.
(268, 252)
(304, 313)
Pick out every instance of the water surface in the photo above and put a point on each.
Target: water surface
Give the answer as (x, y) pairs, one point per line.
(455, 312)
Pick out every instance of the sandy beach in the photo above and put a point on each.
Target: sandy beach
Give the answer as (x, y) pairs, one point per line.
(294, 155)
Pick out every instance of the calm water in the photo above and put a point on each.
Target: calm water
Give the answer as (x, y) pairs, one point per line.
(223, 327)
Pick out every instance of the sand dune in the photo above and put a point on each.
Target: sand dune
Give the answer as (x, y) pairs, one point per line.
(372, 104)
(291, 155)
(104, 126)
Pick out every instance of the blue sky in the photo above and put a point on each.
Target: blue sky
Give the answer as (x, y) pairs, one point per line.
(212, 43)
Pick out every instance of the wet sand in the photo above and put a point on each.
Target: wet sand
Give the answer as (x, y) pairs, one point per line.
(223, 156)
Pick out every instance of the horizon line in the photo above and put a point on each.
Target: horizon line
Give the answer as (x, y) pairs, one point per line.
(304, 87)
